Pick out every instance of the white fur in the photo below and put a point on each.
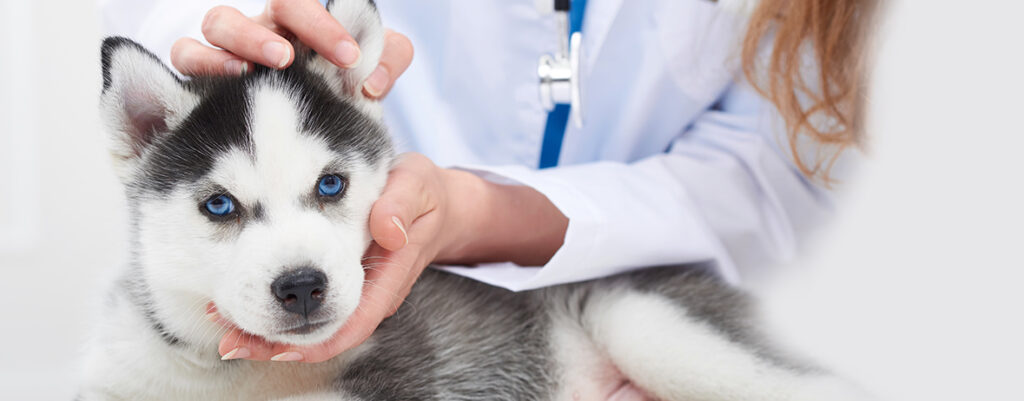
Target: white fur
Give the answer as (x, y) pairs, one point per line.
(364, 25)
(586, 373)
(675, 357)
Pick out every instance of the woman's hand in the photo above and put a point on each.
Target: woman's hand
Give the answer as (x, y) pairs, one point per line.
(262, 39)
(427, 214)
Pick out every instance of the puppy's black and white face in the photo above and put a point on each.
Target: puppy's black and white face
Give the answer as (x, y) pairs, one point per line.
(253, 192)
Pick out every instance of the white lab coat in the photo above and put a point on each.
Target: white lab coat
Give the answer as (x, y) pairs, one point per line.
(679, 160)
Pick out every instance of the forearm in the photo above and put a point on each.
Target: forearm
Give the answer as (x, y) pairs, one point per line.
(500, 223)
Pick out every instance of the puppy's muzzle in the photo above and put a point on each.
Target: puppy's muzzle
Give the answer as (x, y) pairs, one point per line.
(301, 291)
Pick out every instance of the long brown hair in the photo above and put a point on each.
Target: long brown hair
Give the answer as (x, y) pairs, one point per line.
(828, 110)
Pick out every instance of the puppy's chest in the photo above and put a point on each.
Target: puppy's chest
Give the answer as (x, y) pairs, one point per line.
(178, 378)
(271, 381)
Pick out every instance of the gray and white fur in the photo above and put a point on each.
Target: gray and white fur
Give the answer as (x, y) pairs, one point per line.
(263, 142)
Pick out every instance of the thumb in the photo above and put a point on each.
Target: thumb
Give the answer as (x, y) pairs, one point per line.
(387, 225)
(407, 196)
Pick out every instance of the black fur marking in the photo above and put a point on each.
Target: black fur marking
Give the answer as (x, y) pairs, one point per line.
(258, 213)
(218, 124)
(166, 335)
(345, 129)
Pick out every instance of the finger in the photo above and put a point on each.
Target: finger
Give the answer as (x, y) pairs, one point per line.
(407, 195)
(237, 344)
(227, 28)
(214, 316)
(193, 58)
(314, 26)
(397, 56)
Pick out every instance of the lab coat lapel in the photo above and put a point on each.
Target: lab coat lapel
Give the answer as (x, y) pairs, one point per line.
(597, 21)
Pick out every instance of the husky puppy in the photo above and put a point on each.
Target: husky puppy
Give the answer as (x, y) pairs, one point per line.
(254, 192)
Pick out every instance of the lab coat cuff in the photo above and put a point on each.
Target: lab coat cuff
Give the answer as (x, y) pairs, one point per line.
(577, 247)
(607, 236)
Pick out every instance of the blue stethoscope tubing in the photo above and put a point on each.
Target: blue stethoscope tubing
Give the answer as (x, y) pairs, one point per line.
(558, 118)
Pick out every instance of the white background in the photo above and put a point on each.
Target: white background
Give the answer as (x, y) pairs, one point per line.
(915, 291)
(61, 189)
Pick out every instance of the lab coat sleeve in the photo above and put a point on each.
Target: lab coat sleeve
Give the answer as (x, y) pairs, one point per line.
(724, 192)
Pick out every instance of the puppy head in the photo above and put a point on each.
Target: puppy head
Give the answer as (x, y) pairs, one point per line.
(252, 192)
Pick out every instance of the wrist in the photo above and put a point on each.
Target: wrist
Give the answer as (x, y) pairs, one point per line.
(499, 223)
(467, 200)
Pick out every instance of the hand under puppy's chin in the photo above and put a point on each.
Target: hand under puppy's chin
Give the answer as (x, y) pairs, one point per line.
(310, 334)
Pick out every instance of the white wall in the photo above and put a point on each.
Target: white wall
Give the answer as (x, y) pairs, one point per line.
(916, 291)
(60, 218)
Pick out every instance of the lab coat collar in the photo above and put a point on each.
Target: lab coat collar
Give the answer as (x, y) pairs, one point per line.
(601, 14)
(739, 7)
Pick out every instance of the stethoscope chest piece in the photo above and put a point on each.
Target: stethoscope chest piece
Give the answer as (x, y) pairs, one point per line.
(560, 80)
(559, 74)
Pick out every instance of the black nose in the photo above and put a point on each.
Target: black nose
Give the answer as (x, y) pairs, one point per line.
(300, 291)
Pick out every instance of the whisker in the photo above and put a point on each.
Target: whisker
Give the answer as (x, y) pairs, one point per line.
(393, 295)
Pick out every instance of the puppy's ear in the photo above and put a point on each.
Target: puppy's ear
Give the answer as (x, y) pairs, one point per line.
(142, 99)
(361, 19)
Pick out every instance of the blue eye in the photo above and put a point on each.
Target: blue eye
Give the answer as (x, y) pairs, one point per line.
(220, 205)
(330, 185)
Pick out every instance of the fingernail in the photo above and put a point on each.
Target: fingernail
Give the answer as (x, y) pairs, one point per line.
(287, 357)
(237, 353)
(234, 67)
(347, 53)
(213, 317)
(398, 223)
(276, 54)
(377, 81)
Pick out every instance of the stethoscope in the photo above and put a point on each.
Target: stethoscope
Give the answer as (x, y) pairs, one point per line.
(559, 74)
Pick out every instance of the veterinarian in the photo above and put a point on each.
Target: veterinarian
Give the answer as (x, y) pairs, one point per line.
(679, 159)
